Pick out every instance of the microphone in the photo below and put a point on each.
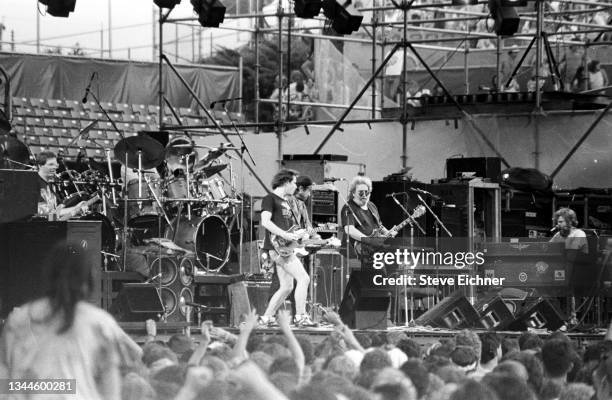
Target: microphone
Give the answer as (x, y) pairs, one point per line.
(425, 192)
(91, 78)
(195, 305)
(394, 194)
(153, 278)
(333, 179)
(223, 101)
(554, 229)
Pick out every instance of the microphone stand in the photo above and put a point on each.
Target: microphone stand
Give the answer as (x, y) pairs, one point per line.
(412, 222)
(243, 149)
(438, 223)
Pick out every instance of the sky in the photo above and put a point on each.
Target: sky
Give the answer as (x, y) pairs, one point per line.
(132, 29)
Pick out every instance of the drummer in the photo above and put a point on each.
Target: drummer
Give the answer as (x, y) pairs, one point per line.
(48, 202)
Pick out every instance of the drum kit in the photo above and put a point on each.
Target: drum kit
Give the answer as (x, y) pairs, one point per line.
(173, 199)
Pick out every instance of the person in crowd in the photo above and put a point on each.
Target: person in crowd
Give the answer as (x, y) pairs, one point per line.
(598, 78)
(62, 336)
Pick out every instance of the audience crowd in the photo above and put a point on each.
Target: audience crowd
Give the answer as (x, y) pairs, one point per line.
(61, 336)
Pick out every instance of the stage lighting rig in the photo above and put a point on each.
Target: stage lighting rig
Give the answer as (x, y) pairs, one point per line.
(307, 8)
(210, 12)
(506, 19)
(345, 19)
(465, 2)
(167, 3)
(59, 8)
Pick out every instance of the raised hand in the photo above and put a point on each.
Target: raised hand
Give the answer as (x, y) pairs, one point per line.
(284, 319)
(333, 318)
(205, 330)
(250, 321)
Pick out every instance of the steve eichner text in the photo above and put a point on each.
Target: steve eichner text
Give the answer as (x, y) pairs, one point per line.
(424, 280)
(422, 257)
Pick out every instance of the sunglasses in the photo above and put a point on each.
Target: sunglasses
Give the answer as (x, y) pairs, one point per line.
(363, 193)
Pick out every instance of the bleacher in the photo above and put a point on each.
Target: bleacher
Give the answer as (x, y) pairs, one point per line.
(52, 124)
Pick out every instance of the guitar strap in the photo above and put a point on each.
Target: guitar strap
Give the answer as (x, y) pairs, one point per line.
(292, 205)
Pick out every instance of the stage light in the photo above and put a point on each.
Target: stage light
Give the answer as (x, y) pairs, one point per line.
(345, 19)
(307, 8)
(210, 12)
(59, 8)
(166, 3)
(465, 2)
(506, 18)
(514, 3)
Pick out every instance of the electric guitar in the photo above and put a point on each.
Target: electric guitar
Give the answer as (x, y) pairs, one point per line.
(286, 247)
(379, 232)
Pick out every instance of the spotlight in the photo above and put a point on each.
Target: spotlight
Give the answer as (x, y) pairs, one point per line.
(59, 8)
(166, 3)
(344, 17)
(464, 2)
(514, 3)
(506, 18)
(307, 8)
(210, 12)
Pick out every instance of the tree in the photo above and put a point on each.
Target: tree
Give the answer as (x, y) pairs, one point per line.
(268, 59)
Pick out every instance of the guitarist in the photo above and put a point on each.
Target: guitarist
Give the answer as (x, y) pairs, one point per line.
(277, 217)
(360, 216)
(47, 202)
(300, 212)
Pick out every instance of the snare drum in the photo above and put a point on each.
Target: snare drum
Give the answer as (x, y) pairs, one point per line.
(208, 237)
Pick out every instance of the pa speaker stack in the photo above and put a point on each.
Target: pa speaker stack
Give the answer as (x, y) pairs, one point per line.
(454, 312)
(174, 274)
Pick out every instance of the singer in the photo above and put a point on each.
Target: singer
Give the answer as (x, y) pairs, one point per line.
(565, 221)
(360, 217)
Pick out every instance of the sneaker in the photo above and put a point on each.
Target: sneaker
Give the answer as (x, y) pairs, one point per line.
(266, 322)
(303, 320)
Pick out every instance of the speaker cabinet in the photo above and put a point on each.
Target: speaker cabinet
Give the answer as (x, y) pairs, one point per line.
(258, 292)
(364, 306)
(328, 278)
(483, 167)
(137, 302)
(175, 276)
(27, 248)
(493, 312)
(454, 312)
(538, 313)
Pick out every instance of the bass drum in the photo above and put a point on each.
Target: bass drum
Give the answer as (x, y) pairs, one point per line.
(208, 237)
(109, 236)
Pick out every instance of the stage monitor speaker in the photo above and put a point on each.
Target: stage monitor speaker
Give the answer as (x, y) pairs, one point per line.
(483, 167)
(364, 306)
(259, 293)
(493, 312)
(537, 313)
(453, 312)
(137, 302)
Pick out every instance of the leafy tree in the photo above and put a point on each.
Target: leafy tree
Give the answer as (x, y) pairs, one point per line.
(268, 60)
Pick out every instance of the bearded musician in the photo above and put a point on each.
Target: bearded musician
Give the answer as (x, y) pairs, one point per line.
(360, 216)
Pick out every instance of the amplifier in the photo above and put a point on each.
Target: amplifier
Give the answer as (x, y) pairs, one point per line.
(324, 202)
(19, 192)
(483, 167)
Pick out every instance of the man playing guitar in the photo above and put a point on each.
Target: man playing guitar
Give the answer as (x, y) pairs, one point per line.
(277, 217)
(360, 217)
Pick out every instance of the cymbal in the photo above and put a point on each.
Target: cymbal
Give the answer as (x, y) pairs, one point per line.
(213, 154)
(212, 170)
(152, 151)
